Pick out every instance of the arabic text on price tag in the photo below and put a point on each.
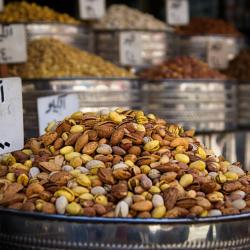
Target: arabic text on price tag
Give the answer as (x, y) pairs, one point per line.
(13, 47)
(55, 108)
(177, 12)
(92, 9)
(11, 115)
(217, 53)
(130, 48)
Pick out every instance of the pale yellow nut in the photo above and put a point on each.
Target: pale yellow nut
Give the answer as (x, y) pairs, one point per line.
(83, 180)
(76, 162)
(73, 208)
(50, 126)
(20, 166)
(66, 192)
(129, 163)
(152, 146)
(204, 213)
(201, 153)
(66, 150)
(164, 186)
(75, 172)
(115, 117)
(182, 158)
(86, 158)
(101, 199)
(8, 160)
(39, 205)
(140, 128)
(198, 165)
(77, 129)
(221, 178)
(145, 169)
(28, 163)
(27, 151)
(77, 115)
(72, 121)
(154, 190)
(70, 156)
(231, 176)
(11, 177)
(23, 179)
(180, 149)
(151, 116)
(158, 212)
(141, 119)
(86, 197)
(215, 196)
(65, 135)
(186, 180)
(79, 190)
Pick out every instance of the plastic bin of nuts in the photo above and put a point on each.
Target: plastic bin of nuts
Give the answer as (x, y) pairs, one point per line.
(147, 182)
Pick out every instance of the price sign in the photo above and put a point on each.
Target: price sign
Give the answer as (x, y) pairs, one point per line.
(1, 5)
(217, 53)
(177, 12)
(13, 46)
(92, 9)
(11, 115)
(130, 48)
(55, 108)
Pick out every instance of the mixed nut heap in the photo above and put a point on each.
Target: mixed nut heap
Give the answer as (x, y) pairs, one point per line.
(121, 164)
(182, 67)
(31, 12)
(48, 57)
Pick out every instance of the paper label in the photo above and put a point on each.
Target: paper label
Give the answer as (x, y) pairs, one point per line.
(217, 53)
(11, 115)
(13, 45)
(55, 108)
(130, 43)
(92, 9)
(177, 12)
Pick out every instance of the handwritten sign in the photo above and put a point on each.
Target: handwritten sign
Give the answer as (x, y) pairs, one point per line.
(177, 12)
(92, 9)
(130, 48)
(217, 53)
(11, 115)
(55, 108)
(1, 5)
(13, 45)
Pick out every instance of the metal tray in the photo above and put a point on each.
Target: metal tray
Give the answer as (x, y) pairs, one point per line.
(93, 93)
(206, 105)
(24, 231)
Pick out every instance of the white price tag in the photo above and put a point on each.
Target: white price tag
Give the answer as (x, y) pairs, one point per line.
(11, 115)
(1, 5)
(177, 12)
(217, 53)
(130, 48)
(92, 9)
(55, 108)
(13, 45)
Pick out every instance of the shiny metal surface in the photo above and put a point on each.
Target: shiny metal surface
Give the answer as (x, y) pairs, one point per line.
(243, 104)
(206, 105)
(156, 46)
(22, 230)
(78, 36)
(197, 45)
(93, 93)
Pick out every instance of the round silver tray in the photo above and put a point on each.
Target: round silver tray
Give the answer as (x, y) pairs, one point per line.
(23, 230)
(197, 46)
(156, 46)
(243, 104)
(206, 105)
(93, 93)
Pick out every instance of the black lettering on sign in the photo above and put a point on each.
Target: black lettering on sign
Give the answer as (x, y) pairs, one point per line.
(1, 92)
(5, 144)
(56, 105)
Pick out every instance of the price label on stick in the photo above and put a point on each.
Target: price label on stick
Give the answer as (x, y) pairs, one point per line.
(217, 53)
(92, 9)
(11, 115)
(13, 46)
(130, 48)
(55, 108)
(177, 12)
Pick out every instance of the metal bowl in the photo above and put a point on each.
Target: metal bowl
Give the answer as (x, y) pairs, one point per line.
(24, 231)
(156, 46)
(78, 36)
(206, 105)
(93, 93)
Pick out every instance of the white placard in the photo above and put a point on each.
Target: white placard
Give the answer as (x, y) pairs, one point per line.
(1, 5)
(92, 9)
(177, 12)
(55, 108)
(130, 49)
(217, 53)
(11, 115)
(13, 45)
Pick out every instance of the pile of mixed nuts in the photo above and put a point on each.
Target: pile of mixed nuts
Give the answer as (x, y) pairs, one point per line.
(121, 164)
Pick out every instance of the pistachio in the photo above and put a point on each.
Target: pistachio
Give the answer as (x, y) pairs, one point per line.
(66, 150)
(198, 165)
(73, 208)
(66, 192)
(33, 172)
(186, 180)
(159, 212)
(83, 180)
(104, 149)
(157, 200)
(121, 209)
(142, 206)
(98, 190)
(182, 158)
(61, 204)
(152, 146)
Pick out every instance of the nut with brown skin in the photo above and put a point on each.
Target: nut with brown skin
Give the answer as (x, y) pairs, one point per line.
(120, 190)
